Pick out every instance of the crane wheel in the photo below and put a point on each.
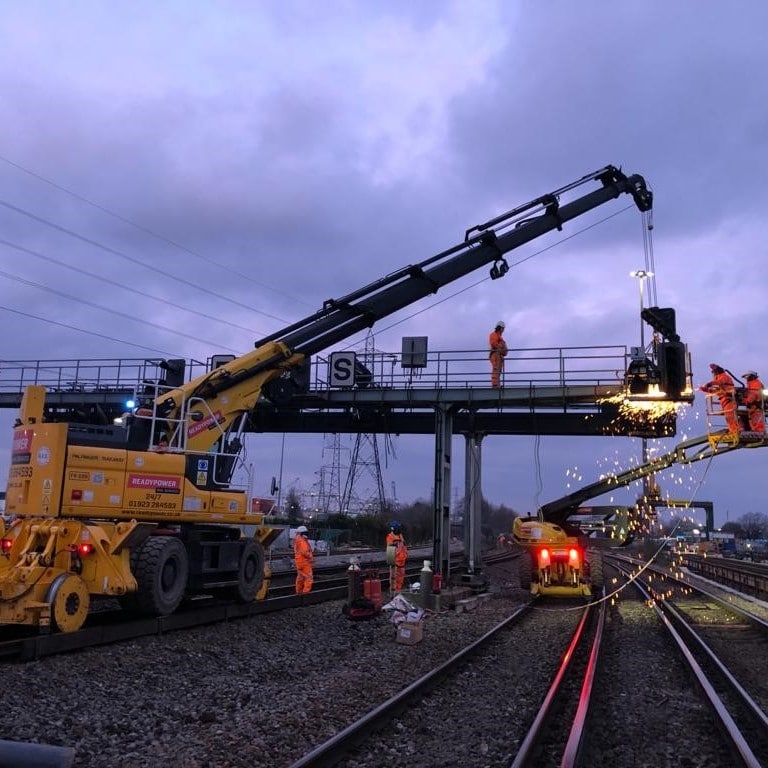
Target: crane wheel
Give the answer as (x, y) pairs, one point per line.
(250, 572)
(70, 601)
(161, 568)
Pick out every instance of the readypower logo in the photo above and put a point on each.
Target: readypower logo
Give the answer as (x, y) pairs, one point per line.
(22, 440)
(154, 482)
(209, 422)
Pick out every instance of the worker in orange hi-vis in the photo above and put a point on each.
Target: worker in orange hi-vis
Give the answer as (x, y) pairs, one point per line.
(304, 557)
(753, 399)
(397, 555)
(498, 353)
(722, 385)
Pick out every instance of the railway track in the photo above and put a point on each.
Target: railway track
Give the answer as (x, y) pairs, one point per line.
(722, 645)
(111, 624)
(280, 688)
(565, 721)
(437, 709)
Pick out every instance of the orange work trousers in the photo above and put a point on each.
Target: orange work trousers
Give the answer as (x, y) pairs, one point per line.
(497, 367)
(304, 578)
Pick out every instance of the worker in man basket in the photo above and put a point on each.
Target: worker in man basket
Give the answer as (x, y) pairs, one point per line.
(498, 353)
(397, 556)
(304, 557)
(753, 399)
(722, 385)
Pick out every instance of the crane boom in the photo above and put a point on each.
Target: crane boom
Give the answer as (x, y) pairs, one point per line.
(218, 398)
(146, 511)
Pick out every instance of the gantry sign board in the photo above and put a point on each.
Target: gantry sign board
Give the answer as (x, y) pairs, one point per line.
(342, 373)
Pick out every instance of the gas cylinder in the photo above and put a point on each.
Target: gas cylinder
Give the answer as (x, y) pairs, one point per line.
(425, 583)
(354, 581)
(372, 589)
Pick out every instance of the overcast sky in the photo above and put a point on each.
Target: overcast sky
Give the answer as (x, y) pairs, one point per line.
(181, 178)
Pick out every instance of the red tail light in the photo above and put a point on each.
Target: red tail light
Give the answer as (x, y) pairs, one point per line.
(6, 545)
(544, 557)
(573, 557)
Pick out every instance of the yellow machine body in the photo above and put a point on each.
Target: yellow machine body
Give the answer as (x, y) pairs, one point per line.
(80, 511)
(558, 566)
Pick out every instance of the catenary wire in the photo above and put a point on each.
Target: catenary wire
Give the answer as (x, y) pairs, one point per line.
(486, 279)
(176, 278)
(115, 312)
(92, 333)
(118, 284)
(144, 229)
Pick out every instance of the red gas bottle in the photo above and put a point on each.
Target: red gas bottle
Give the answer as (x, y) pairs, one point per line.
(372, 588)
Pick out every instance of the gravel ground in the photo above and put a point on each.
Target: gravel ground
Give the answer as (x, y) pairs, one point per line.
(252, 692)
(647, 711)
(265, 690)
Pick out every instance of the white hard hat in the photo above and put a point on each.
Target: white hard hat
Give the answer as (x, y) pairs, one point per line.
(301, 529)
(501, 325)
(749, 373)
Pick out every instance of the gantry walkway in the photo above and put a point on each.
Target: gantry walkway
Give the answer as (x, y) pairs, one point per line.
(551, 390)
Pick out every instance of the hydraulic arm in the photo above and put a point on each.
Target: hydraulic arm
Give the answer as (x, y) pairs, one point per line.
(686, 452)
(206, 407)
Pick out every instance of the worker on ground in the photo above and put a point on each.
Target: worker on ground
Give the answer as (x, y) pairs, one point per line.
(397, 555)
(753, 399)
(722, 386)
(304, 557)
(498, 353)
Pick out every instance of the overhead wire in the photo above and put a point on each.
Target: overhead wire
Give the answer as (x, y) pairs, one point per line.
(92, 333)
(48, 289)
(122, 284)
(142, 228)
(174, 277)
(482, 280)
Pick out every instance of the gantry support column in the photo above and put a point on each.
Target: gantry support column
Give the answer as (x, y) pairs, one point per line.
(473, 500)
(441, 548)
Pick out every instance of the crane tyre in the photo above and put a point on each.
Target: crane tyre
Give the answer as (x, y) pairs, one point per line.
(70, 600)
(250, 572)
(596, 577)
(161, 568)
(525, 570)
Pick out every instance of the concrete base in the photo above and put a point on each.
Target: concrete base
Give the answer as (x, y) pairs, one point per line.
(477, 582)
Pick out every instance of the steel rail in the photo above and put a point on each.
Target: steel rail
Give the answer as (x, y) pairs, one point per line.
(687, 582)
(573, 747)
(669, 618)
(106, 632)
(526, 754)
(334, 749)
(112, 626)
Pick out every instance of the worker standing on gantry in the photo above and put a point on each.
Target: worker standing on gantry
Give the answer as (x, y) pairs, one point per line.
(723, 387)
(498, 353)
(753, 400)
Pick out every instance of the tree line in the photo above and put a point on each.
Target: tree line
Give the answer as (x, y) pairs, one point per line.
(416, 518)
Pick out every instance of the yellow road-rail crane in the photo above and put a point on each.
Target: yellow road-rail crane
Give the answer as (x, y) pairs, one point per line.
(146, 511)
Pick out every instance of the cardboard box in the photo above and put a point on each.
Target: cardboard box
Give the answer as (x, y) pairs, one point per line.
(409, 633)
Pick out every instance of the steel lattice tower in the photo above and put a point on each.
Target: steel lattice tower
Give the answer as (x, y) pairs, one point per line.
(365, 463)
